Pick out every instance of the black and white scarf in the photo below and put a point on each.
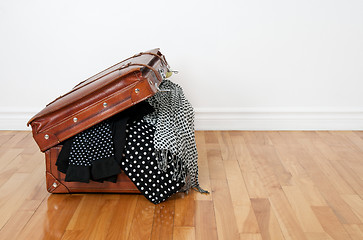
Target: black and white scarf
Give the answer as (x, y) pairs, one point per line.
(174, 136)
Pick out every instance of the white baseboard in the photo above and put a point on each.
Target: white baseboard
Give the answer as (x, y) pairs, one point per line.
(15, 119)
(278, 119)
(239, 119)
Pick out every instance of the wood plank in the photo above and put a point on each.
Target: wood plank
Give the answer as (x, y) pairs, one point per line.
(38, 227)
(291, 156)
(284, 213)
(250, 236)
(205, 223)
(17, 222)
(330, 222)
(203, 168)
(302, 209)
(26, 203)
(224, 213)
(251, 178)
(215, 163)
(246, 220)
(51, 218)
(142, 221)
(185, 210)
(356, 204)
(317, 166)
(267, 221)
(85, 217)
(163, 222)
(211, 137)
(332, 161)
(226, 146)
(184, 233)
(355, 231)
(121, 219)
(10, 199)
(258, 138)
(356, 138)
(22, 163)
(103, 221)
(236, 184)
(7, 156)
(243, 212)
(5, 137)
(318, 236)
(15, 139)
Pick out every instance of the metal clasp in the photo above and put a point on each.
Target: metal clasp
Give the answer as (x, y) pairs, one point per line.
(162, 73)
(161, 90)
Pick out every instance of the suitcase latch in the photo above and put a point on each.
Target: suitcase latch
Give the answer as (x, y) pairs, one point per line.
(162, 73)
(161, 90)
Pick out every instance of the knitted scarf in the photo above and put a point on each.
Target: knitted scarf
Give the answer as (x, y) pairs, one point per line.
(174, 135)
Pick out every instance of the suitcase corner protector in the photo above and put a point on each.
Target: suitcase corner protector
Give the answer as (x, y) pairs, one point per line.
(54, 185)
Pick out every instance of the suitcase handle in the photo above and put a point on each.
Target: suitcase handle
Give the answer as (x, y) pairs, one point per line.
(162, 57)
(144, 65)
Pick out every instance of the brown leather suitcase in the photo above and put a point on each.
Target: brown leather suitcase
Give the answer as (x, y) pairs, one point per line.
(90, 102)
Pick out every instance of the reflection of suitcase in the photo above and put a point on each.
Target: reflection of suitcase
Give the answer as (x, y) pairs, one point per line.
(90, 102)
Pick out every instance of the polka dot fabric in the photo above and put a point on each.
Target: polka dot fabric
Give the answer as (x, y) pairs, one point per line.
(140, 164)
(91, 145)
(92, 155)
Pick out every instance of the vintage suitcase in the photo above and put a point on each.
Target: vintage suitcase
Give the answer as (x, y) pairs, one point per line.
(90, 102)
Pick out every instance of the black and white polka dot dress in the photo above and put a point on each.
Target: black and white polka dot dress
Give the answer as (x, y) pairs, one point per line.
(140, 164)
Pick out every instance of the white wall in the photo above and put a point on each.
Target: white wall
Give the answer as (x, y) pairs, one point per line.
(280, 64)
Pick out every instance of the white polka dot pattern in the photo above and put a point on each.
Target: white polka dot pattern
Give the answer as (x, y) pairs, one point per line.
(92, 144)
(140, 165)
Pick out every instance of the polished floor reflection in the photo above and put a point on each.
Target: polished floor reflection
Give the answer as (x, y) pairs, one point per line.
(264, 185)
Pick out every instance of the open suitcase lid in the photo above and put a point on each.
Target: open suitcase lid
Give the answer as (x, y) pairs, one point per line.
(99, 97)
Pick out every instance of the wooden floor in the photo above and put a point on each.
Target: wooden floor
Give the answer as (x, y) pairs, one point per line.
(264, 185)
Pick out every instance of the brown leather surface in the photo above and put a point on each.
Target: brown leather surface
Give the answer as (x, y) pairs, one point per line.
(56, 184)
(98, 98)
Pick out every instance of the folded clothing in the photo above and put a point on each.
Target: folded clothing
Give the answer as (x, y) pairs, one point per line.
(95, 154)
(125, 142)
